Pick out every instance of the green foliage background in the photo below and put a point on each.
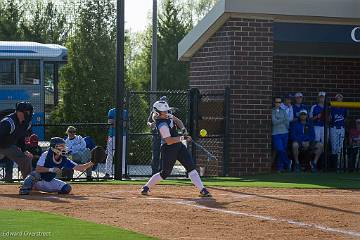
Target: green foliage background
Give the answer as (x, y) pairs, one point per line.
(88, 30)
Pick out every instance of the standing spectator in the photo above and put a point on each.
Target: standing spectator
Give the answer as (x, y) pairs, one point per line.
(354, 145)
(13, 130)
(354, 135)
(303, 137)
(287, 106)
(280, 133)
(337, 131)
(298, 106)
(317, 116)
(110, 148)
(33, 147)
(76, 147)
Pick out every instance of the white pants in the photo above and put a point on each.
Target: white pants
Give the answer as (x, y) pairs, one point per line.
(337, 136)
(54, 185)
(319, 134)
(110, 150)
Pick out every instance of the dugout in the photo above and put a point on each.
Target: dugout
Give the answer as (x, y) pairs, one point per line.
(265, 48)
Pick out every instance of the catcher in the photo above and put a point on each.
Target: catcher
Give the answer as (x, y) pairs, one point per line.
(50, 163)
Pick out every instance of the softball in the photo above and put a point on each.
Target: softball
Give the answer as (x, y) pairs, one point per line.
(203, 133)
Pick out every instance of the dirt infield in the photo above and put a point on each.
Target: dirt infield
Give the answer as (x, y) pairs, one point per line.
(176, 212)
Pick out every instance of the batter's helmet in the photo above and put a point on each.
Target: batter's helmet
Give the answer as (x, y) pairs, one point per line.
(161, 106)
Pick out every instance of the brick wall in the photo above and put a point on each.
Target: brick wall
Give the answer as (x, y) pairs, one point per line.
(310, 75)
(239, 55)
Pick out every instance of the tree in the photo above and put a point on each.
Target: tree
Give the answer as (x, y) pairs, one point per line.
(172, 74)
(88, 78)
(139, 65)
(11, 19)
(46, 24)
(196, 10)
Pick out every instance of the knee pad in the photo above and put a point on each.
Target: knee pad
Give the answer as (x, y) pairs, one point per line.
(65, 189)
(30, 180)
(36, 176)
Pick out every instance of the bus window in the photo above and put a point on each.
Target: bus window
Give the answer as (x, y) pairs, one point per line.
(49, 69)
(7, 72)
(29, 72)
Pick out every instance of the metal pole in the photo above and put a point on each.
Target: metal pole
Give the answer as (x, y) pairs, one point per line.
(154, 48)
(120, 66)
(326, 129)
(226, 147)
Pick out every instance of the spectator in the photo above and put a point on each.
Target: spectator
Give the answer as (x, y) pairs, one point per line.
(337, 131)
(354, 135)
(317, 116)
(298, 106)
(280, 133)
(76, 147)
(354, 145)
(110, 148)
(287, 106)
(303, 137)
(33, 147)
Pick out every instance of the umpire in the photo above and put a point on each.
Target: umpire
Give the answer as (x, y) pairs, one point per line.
(13, 130)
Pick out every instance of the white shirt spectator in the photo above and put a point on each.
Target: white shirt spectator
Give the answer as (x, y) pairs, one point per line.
(76, 144)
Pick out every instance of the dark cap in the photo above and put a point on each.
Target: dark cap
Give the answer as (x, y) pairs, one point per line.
(24, 106)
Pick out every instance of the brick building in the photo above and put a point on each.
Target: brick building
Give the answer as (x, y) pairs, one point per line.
(266, 48)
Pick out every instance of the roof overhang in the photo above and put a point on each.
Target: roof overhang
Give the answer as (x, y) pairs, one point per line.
(305, 11)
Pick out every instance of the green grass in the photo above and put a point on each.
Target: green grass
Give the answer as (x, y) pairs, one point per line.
(285, 180)
(56, 227)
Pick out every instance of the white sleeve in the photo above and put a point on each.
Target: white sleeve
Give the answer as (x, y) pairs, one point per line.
(291, 113)
(311, 114)
(83, 143)
(41, 161)
(68, 144)
(164, 131)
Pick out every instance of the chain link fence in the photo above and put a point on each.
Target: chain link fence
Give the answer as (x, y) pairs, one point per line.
(140, 136)
(196, 110)
(211, 114)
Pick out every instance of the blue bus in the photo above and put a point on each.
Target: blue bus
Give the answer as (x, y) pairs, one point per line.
(29, 71)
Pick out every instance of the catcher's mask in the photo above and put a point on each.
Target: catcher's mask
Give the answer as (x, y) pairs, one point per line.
(58, 146)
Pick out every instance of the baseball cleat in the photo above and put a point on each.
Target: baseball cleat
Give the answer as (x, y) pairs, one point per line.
(24, 191)
(205, 193)
(145, 191)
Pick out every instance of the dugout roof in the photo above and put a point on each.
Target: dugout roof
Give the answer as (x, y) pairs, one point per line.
(313, 15)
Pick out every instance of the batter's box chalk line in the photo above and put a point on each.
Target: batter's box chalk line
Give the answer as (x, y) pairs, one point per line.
(262, 217)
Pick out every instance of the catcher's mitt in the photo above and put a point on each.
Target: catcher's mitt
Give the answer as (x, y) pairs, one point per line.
(98, 155)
